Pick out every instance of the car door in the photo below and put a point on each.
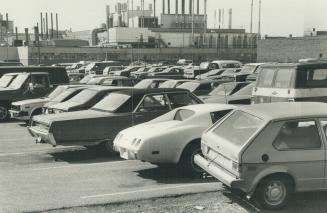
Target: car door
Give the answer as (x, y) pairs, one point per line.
(150, 107)
(300, 149)
(263, 91)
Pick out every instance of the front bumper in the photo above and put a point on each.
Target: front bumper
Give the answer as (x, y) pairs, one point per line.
(219, 173)
(41, 136)
(126, 153)
(19, 115)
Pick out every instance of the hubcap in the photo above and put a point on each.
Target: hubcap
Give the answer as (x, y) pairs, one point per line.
(275, 193)
(3, 113)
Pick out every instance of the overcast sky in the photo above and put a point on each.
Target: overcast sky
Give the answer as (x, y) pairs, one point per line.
(279, 17)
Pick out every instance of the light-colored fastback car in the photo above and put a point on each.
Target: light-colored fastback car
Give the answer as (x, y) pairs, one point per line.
(171, 138)
(268, 151)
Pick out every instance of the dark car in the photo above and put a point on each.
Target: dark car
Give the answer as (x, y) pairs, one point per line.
(225, 89)
(173, 83)
(84, 100)
(241, 97)
(28, 85)
(247, 69)
(112, 81)
(125, 72)
(144, 74)
(117, 111)
(203, 87)
(170, 72)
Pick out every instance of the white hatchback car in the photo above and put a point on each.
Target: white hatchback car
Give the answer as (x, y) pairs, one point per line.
(171, 138)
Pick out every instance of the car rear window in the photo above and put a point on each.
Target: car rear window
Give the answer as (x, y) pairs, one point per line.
(284, 78)
(183, 114)
(266, 77)
(238, 127)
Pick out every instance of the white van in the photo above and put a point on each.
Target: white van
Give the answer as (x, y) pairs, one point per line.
(306, 81)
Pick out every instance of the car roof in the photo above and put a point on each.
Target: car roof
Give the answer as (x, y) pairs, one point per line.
(104, 88)
(225, 61)
(198, 108)
(141, 91)
(282, 110)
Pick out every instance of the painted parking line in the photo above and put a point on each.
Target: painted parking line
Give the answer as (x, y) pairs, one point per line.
(150, 190)
(41, 151)
(82, 165)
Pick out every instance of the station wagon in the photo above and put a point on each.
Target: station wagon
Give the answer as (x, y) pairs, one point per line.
(268, 151)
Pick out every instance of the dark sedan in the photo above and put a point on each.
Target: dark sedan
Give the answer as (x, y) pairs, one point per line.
(170, 72)
(84, 100)
(202, 87)
(117, 111)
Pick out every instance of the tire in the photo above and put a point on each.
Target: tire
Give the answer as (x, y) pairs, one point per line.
(187, 159)
(273, 192)
(4, 114)
(108, 147)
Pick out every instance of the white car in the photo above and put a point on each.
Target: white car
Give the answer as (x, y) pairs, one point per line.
(171, 138)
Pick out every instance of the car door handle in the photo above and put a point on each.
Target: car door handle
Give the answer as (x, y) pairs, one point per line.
(274, 93)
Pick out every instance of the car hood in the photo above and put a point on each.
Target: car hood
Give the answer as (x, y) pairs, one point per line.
(67, 116)
(31, 101)
(148, 130)
(65, 106)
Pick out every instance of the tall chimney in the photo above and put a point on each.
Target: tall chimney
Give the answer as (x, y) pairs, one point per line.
(230, 18)
(57, 28)
(26, 36)
(51, 26)
(41, 16)
(7, 23)
(154, 8)
(190, 7)
(198, 7)
(176, 7)
(46, 25)
(251, 16)
(259, 24)
(168, 6)
(163, 6)
(16, 30)
(183, 7)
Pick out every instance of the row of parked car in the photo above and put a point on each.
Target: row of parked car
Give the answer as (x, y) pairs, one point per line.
(259, 150)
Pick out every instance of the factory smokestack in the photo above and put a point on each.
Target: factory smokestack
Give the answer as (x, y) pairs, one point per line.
(190, 7)
(183, 7)
(230, 18)
(16, 30)
(41, 16)
(251, 16)
(168, 6)
(259, 24)
(57, 28)
(176, 7)
(26, 36)
(51, 26)
(154, 8)
(198, 7)
(46, 25)
(163, 6)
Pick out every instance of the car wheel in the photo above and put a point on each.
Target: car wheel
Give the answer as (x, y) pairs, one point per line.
(273, 192)
(108, 147)
(4, 114)
(187, 159)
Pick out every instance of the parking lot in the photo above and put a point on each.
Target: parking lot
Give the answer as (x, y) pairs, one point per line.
(38, 177)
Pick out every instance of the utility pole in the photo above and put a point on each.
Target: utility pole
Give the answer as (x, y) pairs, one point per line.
(192, 22)
(251, 16)
(259, 24)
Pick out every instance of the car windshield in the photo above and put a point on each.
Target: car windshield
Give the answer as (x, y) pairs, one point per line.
(111, 102)
(6, 79)
(56, 92)
(248, 69)
(85, 79)
(247, 90)
(183, 114)
(223, 89)
(18, 81)
(143, 84)
(167, 84)
(238, 128)
(204, 65)
(63, 95)
(191, 86)
(84, 96)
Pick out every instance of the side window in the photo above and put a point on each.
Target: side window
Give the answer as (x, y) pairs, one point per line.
(154, 103)
(40, 81)
(266, 78)
(180, 99)
(213, 66)
(317, 78)
(298, 135)
(284, 78)
(215, 116)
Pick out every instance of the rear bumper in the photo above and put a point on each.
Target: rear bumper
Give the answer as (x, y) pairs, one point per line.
(219, 173)
(19, 115)
(42, 136)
